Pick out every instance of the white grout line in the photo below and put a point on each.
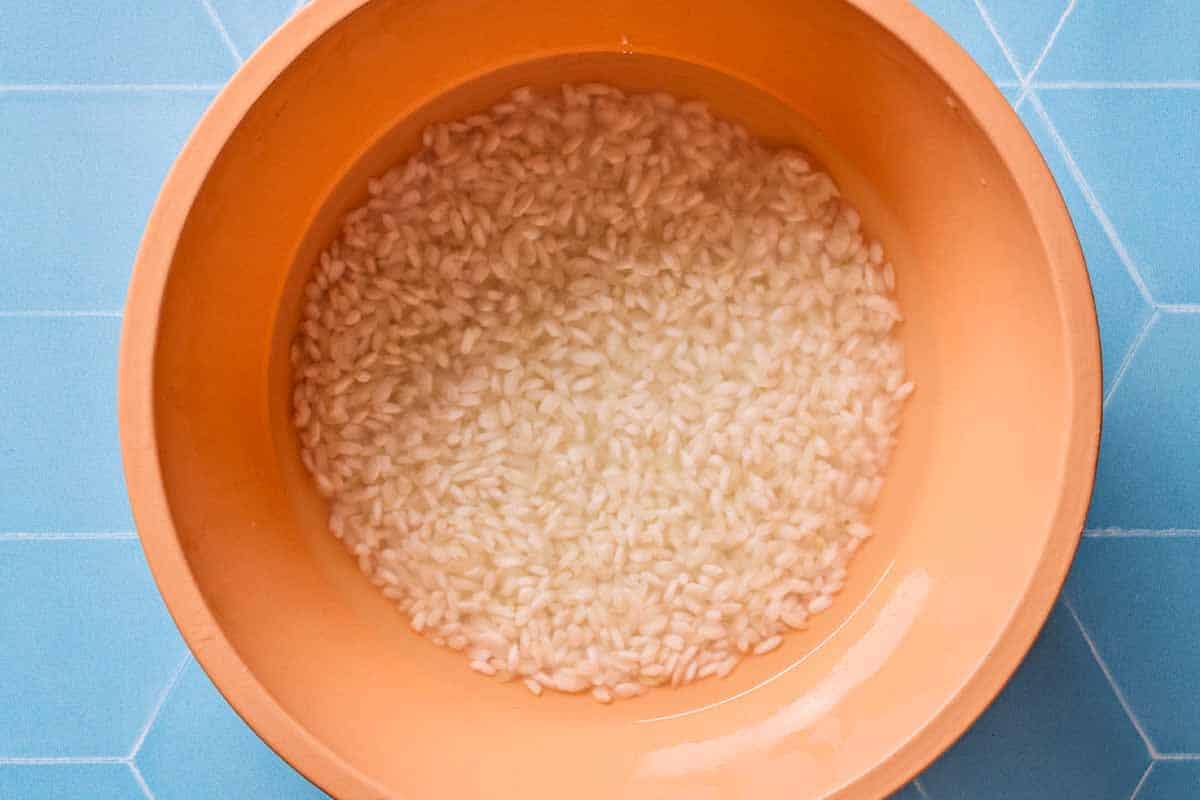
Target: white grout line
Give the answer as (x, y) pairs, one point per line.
(991, 26)
(1178, 757)
(20, 761)
(56, 313)
(1142, 781)
(96, 88)
(1127, 361)
(1092, 201)
(1136, 533)
(141, 781)
(1052, 85)
(1037, 64)
(920, 787)
(1179, 308)
(86, 88)
(220, 26)
(56, 536)
(299, 5)
(1062, 20)
(126, 761)
(158, 706)
(1112, 683)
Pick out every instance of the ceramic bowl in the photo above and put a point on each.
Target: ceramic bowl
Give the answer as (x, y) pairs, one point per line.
(985, 496)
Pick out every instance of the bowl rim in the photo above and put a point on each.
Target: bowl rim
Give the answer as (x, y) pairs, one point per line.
(318, 762)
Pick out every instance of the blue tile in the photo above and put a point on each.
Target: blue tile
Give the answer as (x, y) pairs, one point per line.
(249, 22)
(68, 782)
(110, 41)
(200, 748)
(1172, 780)
(1149, 470)
(78, 176)
(1025, 26)
(1011, 94)
(1120, 308)
(1138, 598)
(85, 647)
(1055, 731)
(1116, 40)
(60, 463)
(961, 19)
(1140, 153)
(909, 792)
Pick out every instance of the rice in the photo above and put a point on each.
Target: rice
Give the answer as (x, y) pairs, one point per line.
(600, 390)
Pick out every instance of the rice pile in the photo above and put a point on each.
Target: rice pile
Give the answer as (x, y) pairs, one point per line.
(600, 389)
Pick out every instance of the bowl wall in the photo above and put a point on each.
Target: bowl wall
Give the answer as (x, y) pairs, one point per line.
(975, 528)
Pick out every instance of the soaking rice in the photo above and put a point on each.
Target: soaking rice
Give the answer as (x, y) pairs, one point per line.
(600, 389)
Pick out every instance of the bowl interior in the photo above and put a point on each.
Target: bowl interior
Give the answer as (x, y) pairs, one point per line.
(971, 513)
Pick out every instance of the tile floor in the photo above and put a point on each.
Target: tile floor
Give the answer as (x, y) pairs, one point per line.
(1104, 707)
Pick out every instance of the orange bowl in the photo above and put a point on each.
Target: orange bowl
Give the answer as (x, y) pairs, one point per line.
(986, 492)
